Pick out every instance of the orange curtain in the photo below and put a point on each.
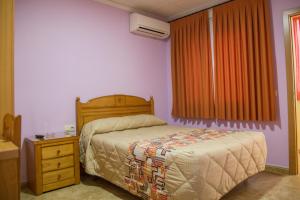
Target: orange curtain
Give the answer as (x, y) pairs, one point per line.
(244, 61)
(191, 67)
(296, 39)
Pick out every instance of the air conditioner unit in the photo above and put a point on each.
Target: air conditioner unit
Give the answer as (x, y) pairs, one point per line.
(147, 26)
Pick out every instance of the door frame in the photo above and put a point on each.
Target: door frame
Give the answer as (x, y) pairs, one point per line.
(292, 128)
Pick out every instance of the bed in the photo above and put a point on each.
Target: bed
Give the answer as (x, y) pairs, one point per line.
(123, 142)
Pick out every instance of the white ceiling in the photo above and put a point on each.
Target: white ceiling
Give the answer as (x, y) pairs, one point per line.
(164, 9)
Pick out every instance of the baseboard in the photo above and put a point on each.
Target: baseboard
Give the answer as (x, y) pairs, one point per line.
(277, 170)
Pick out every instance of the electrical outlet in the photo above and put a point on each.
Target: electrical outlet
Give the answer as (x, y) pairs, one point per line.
(69, 128)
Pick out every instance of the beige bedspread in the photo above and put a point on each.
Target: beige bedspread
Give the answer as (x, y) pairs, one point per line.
(197, 163)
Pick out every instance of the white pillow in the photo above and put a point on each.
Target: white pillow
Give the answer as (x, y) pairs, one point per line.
(106, 125)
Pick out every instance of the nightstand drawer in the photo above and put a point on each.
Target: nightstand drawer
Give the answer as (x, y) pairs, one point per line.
(58, 184)
(60, 175)
(57, 151)
(57, 163)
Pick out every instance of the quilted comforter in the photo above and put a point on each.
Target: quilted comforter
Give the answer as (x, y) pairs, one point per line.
(165, 162)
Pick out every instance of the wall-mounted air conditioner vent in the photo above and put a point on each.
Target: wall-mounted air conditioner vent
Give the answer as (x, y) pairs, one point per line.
(147, 26)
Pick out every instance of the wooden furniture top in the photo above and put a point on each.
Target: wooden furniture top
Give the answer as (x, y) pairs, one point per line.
(10, 141)
(8, 149)
(111, 106)
(53, 137)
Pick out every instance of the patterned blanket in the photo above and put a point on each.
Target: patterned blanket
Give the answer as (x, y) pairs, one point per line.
(146, 161)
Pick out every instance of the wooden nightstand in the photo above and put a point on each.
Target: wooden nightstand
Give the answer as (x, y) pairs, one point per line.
(52, 163)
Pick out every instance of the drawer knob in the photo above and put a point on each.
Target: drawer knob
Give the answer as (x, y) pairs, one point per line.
(58, 152)
(58, 165)
(59, 177)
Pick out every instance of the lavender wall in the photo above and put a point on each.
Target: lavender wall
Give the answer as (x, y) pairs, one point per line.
(69, 48)
(276, 133)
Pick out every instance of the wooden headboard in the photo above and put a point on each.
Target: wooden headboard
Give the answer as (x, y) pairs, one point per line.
(111, 106)
(12, 128)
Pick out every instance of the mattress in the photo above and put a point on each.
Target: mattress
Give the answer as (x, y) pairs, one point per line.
(172, 162)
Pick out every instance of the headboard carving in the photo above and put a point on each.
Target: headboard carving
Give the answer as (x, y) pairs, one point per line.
(111, 106)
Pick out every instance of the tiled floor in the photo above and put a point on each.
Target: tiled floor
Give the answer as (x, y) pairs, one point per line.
(264, 186)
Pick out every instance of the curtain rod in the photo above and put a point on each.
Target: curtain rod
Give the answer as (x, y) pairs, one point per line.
(200, 11)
